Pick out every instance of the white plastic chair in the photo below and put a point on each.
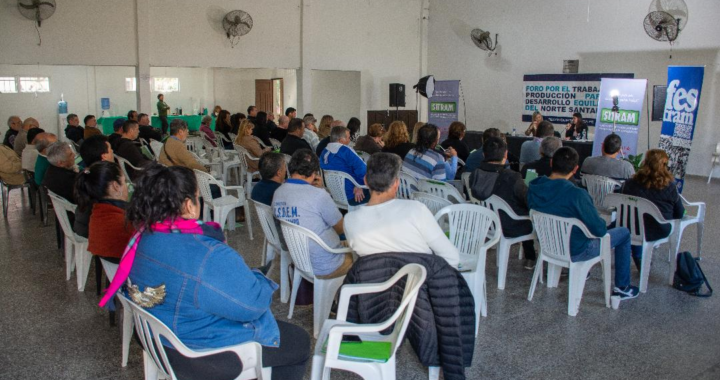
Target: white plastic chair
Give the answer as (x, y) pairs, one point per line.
(194, 144)
(259, 141)
(630, 212)
(298, 242)
(335, 183)
(327, 350)
(497, 204)
(230, 163)
(441, 189)
(151, 332)
(110, 269)
(599, 187)
(408, 185)
(156, 148)
(553, 232)
(432, 202)
(698, 218)
(245, 173)
(469, 227)
(275, 143)
(124, 164)
(363, 155)
(223, 207)
(715, 161)
(76, 254)
(272, 245)
(5, 194)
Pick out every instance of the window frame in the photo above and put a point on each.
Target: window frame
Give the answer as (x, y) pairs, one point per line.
(14, 82)
(164, 89)
(20, 84)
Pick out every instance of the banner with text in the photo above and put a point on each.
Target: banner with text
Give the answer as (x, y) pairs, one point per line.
(558, 96)
(625, 122)
(443, 105)
(681, 110)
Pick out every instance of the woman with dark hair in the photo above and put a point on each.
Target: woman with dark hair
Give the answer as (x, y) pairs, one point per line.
(101, 188)
(181, 270)
(262, 130)
(654, 182)
(456, 133)
(222, 125)
(397, 139)
(354, 126)
(423, 162)
(235, 121)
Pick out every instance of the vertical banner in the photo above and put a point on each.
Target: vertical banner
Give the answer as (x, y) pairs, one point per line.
(681, 109)
(630, 95)
(443, 105)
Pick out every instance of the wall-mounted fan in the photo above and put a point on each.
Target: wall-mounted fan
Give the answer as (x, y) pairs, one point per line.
(676, 8)
(482, 40)
(236, 24)
(37, 10)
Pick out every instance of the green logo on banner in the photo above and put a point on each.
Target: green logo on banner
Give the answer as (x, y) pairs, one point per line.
(443, 107)
(623, 117)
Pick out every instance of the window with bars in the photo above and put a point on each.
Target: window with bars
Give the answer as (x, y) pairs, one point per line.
(131, 84)
(34, 84)
(8, 85)
(166, 84)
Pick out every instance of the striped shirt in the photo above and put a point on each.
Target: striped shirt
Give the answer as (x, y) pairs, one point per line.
(429, 165)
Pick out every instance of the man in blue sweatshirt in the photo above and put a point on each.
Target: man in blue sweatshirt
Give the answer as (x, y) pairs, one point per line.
(557, 195)
(338, 156)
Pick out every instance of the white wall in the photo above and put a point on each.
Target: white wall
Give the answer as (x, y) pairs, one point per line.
(235, 88)
(196, 86)
(110, 83)
(336, 93)
(535, 38)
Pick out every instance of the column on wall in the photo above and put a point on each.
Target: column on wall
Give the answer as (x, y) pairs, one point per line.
(142, 70)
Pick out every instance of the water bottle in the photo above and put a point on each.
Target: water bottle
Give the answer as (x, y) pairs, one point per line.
(513, 132)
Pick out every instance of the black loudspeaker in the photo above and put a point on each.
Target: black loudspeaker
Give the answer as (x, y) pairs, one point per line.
(658, 105)
(397, 95)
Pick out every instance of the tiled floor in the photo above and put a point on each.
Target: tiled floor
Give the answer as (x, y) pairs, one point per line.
(50, 330)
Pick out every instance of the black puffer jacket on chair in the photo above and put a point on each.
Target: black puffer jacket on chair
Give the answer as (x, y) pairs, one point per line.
(442, 328)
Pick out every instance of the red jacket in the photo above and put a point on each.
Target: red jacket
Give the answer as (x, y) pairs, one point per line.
(108, 235)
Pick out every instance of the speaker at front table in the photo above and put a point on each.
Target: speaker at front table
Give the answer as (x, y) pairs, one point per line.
(397, 95)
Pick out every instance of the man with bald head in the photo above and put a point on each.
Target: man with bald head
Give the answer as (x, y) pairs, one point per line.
(21, 138)
(14, 125)
(280, 132)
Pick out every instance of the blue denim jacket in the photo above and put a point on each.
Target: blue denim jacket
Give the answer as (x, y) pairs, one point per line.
(212, 298)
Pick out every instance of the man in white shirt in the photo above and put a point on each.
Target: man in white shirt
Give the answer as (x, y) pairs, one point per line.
(30, 153)
(310, 134)
(387, 224)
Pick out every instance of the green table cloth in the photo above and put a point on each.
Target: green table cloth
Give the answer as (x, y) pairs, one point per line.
(106, 123)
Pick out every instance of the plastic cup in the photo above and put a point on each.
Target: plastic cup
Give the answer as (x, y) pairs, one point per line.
(615, 302)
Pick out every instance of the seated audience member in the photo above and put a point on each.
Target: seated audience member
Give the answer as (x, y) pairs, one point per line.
(235, 120)
(298, 201)
(325, 141)
(147, 131)
(91, 128)
(102, 194)
(577, 129)
(30, 153)
(252, 113)
(324, 127)
(262, 129)
(174, 152)
(10, 167)
(280, 131)
(271, 122)
(117, 130)
(60, 175)
(96, 148)
(608, 165)
(655, 182)
(542, 167)
(494, 178)
(209, 291)
(14, 124)
(126, 148)
(42, 143)
(245, 139)
(338, 156)
(310, 134)
(372, 142)
(294, 139)
(21, 138)
(207, 132)
(354, 125)
(456, 134)
(557, 195)
(477, 157)
(397, 140)
(132, 115)
(216, 111)
(222, 126)
(291, 113)
(74, 132)
(424, 162)
(413, 227)
(537, 118)
(273, 172)
(530, 150)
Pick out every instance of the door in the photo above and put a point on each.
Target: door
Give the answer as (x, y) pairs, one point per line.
(264, 95)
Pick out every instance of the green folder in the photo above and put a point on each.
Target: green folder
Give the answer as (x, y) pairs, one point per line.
(368, 350)
(529, 176)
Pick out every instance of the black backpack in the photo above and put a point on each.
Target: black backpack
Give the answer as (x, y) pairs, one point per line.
(689, 277)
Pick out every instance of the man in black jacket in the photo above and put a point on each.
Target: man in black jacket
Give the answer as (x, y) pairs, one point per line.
(147, 131)
(493, 178)
(126, 148)
(74, 131)
(60, 175)
(542, 166)
(294, 141)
